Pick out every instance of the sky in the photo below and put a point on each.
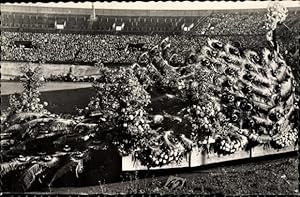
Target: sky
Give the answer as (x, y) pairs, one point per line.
(171, 5)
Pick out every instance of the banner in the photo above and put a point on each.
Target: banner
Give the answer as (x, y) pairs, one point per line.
(59, 26)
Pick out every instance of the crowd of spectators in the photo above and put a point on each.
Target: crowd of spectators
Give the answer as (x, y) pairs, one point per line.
(222, 23)
(73, 47)
(247, 30)
(86, 49)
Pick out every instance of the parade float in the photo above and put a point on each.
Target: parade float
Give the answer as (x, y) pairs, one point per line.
(220, 104)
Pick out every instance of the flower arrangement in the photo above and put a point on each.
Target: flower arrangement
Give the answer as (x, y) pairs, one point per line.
(161, 149)
(28, 100)
(120, 103)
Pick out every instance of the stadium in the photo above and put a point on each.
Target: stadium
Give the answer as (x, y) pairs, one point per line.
(129, 98)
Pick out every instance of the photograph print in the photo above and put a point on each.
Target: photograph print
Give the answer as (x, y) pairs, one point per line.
(150, 98)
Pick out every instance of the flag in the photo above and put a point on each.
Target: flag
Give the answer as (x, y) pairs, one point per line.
(182, 26)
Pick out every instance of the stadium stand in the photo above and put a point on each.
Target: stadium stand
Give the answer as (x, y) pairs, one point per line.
(62, 35)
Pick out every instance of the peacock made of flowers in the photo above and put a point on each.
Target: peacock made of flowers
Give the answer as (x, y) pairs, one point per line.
(238, 98)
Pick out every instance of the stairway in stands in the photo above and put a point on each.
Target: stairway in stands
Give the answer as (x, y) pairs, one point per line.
(199, 22)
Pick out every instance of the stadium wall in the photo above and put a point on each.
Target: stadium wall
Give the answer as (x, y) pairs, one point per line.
(117, 12)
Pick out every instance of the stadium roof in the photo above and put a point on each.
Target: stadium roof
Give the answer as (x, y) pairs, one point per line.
(184, 5)
(105, 10)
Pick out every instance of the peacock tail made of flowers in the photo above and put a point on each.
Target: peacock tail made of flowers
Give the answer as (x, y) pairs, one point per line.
(257, 91)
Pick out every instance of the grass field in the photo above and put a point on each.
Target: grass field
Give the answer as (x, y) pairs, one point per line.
(270, 176)
(61, 97)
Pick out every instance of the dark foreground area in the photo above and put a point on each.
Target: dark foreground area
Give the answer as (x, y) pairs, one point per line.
(271, 176)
